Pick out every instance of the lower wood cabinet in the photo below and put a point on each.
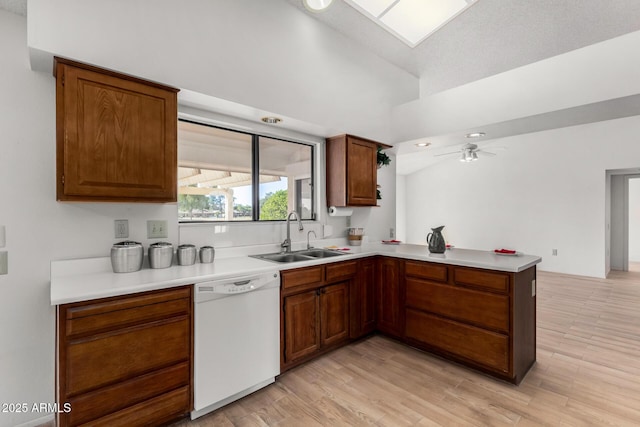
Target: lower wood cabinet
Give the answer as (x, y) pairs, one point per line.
(389, 297)
(315, 314)
(126, 361)
(334, 314)
(479, 345)
(363, 299)
(481, 318)
(301, 325)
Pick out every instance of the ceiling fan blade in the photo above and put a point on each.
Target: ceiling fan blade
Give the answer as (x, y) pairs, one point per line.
(446, 154)
(488, 153)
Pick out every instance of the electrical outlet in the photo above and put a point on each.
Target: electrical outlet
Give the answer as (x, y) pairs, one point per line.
(121, 228)
(4, 262)
(392, 233)
(554, 252)
(157, 229)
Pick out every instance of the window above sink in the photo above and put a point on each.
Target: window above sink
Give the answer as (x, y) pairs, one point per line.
(226, 175)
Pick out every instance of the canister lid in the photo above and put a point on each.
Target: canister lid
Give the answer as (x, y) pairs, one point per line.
(160, 245)
(127, 244)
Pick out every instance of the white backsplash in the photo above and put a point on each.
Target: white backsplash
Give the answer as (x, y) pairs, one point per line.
(227, 235)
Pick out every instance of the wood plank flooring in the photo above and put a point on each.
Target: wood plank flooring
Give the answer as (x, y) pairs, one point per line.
(587, 374)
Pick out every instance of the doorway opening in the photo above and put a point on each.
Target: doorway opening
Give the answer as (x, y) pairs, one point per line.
(623, 220)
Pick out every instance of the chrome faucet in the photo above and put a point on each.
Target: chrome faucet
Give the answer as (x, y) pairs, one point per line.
(286, 245)
(314, 234)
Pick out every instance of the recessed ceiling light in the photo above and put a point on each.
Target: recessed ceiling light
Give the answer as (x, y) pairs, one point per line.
(271, 120)
(423, 144)
(317, 5)
(476, 135)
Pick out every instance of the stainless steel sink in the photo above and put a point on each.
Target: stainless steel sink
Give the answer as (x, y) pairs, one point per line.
(304, 255)
(321, 253)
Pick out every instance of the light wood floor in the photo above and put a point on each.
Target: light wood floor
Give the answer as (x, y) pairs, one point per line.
(587, 374)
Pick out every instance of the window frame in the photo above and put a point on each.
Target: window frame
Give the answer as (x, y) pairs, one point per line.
(255, 176)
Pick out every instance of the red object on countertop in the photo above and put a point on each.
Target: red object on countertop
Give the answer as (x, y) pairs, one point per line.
(504, 251)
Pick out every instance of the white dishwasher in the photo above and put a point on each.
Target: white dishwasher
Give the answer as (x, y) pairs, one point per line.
(236, 339)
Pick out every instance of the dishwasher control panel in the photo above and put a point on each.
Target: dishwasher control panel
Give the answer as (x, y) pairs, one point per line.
(238, 285)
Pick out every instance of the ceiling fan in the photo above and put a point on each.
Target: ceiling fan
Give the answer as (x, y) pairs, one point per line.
(468, 153)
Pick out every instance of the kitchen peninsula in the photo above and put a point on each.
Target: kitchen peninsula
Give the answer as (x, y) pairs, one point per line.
(472, 307)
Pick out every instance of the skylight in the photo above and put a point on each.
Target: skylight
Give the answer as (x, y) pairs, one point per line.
(411, 21)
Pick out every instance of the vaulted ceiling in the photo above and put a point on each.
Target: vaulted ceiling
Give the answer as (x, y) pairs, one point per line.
(489, 40)
(490, 37)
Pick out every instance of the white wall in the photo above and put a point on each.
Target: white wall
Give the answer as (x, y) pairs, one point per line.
(265, 54)
(401, 211)
(378, 220)
(634, 220)
(39, 229)
(618, 226)
(546, 191)
(595, 73)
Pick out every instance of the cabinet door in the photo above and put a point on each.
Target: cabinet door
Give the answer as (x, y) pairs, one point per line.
(334, 313)
(117, 136)
(301, 325)
(361, 172)
(363, 299)
(389, 296)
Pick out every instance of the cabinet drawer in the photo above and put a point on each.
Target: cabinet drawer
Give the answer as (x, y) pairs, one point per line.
(153, 412)
(340, 270)
(483, 279)
(104, 359)
(90, 406)
(482, 308)
(426, 270)
(301, 276)
(486, 348)
(127, 316)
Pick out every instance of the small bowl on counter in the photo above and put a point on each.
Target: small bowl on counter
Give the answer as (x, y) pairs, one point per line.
(186, 254)
(160, 255)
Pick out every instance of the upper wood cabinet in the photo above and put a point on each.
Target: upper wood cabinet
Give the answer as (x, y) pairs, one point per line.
(116, 136)
(351, 171)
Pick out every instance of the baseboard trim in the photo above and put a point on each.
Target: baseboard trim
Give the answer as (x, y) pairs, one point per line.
(38, 421)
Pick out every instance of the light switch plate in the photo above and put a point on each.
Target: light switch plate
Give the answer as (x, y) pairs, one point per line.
(157, 229)
(3, 238)
(121, 228)
(4, 262)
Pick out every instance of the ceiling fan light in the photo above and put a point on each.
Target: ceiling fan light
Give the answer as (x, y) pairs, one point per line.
(463, 158)
(474, 156)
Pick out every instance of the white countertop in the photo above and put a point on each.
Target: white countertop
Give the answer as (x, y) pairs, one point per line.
(91, 278)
